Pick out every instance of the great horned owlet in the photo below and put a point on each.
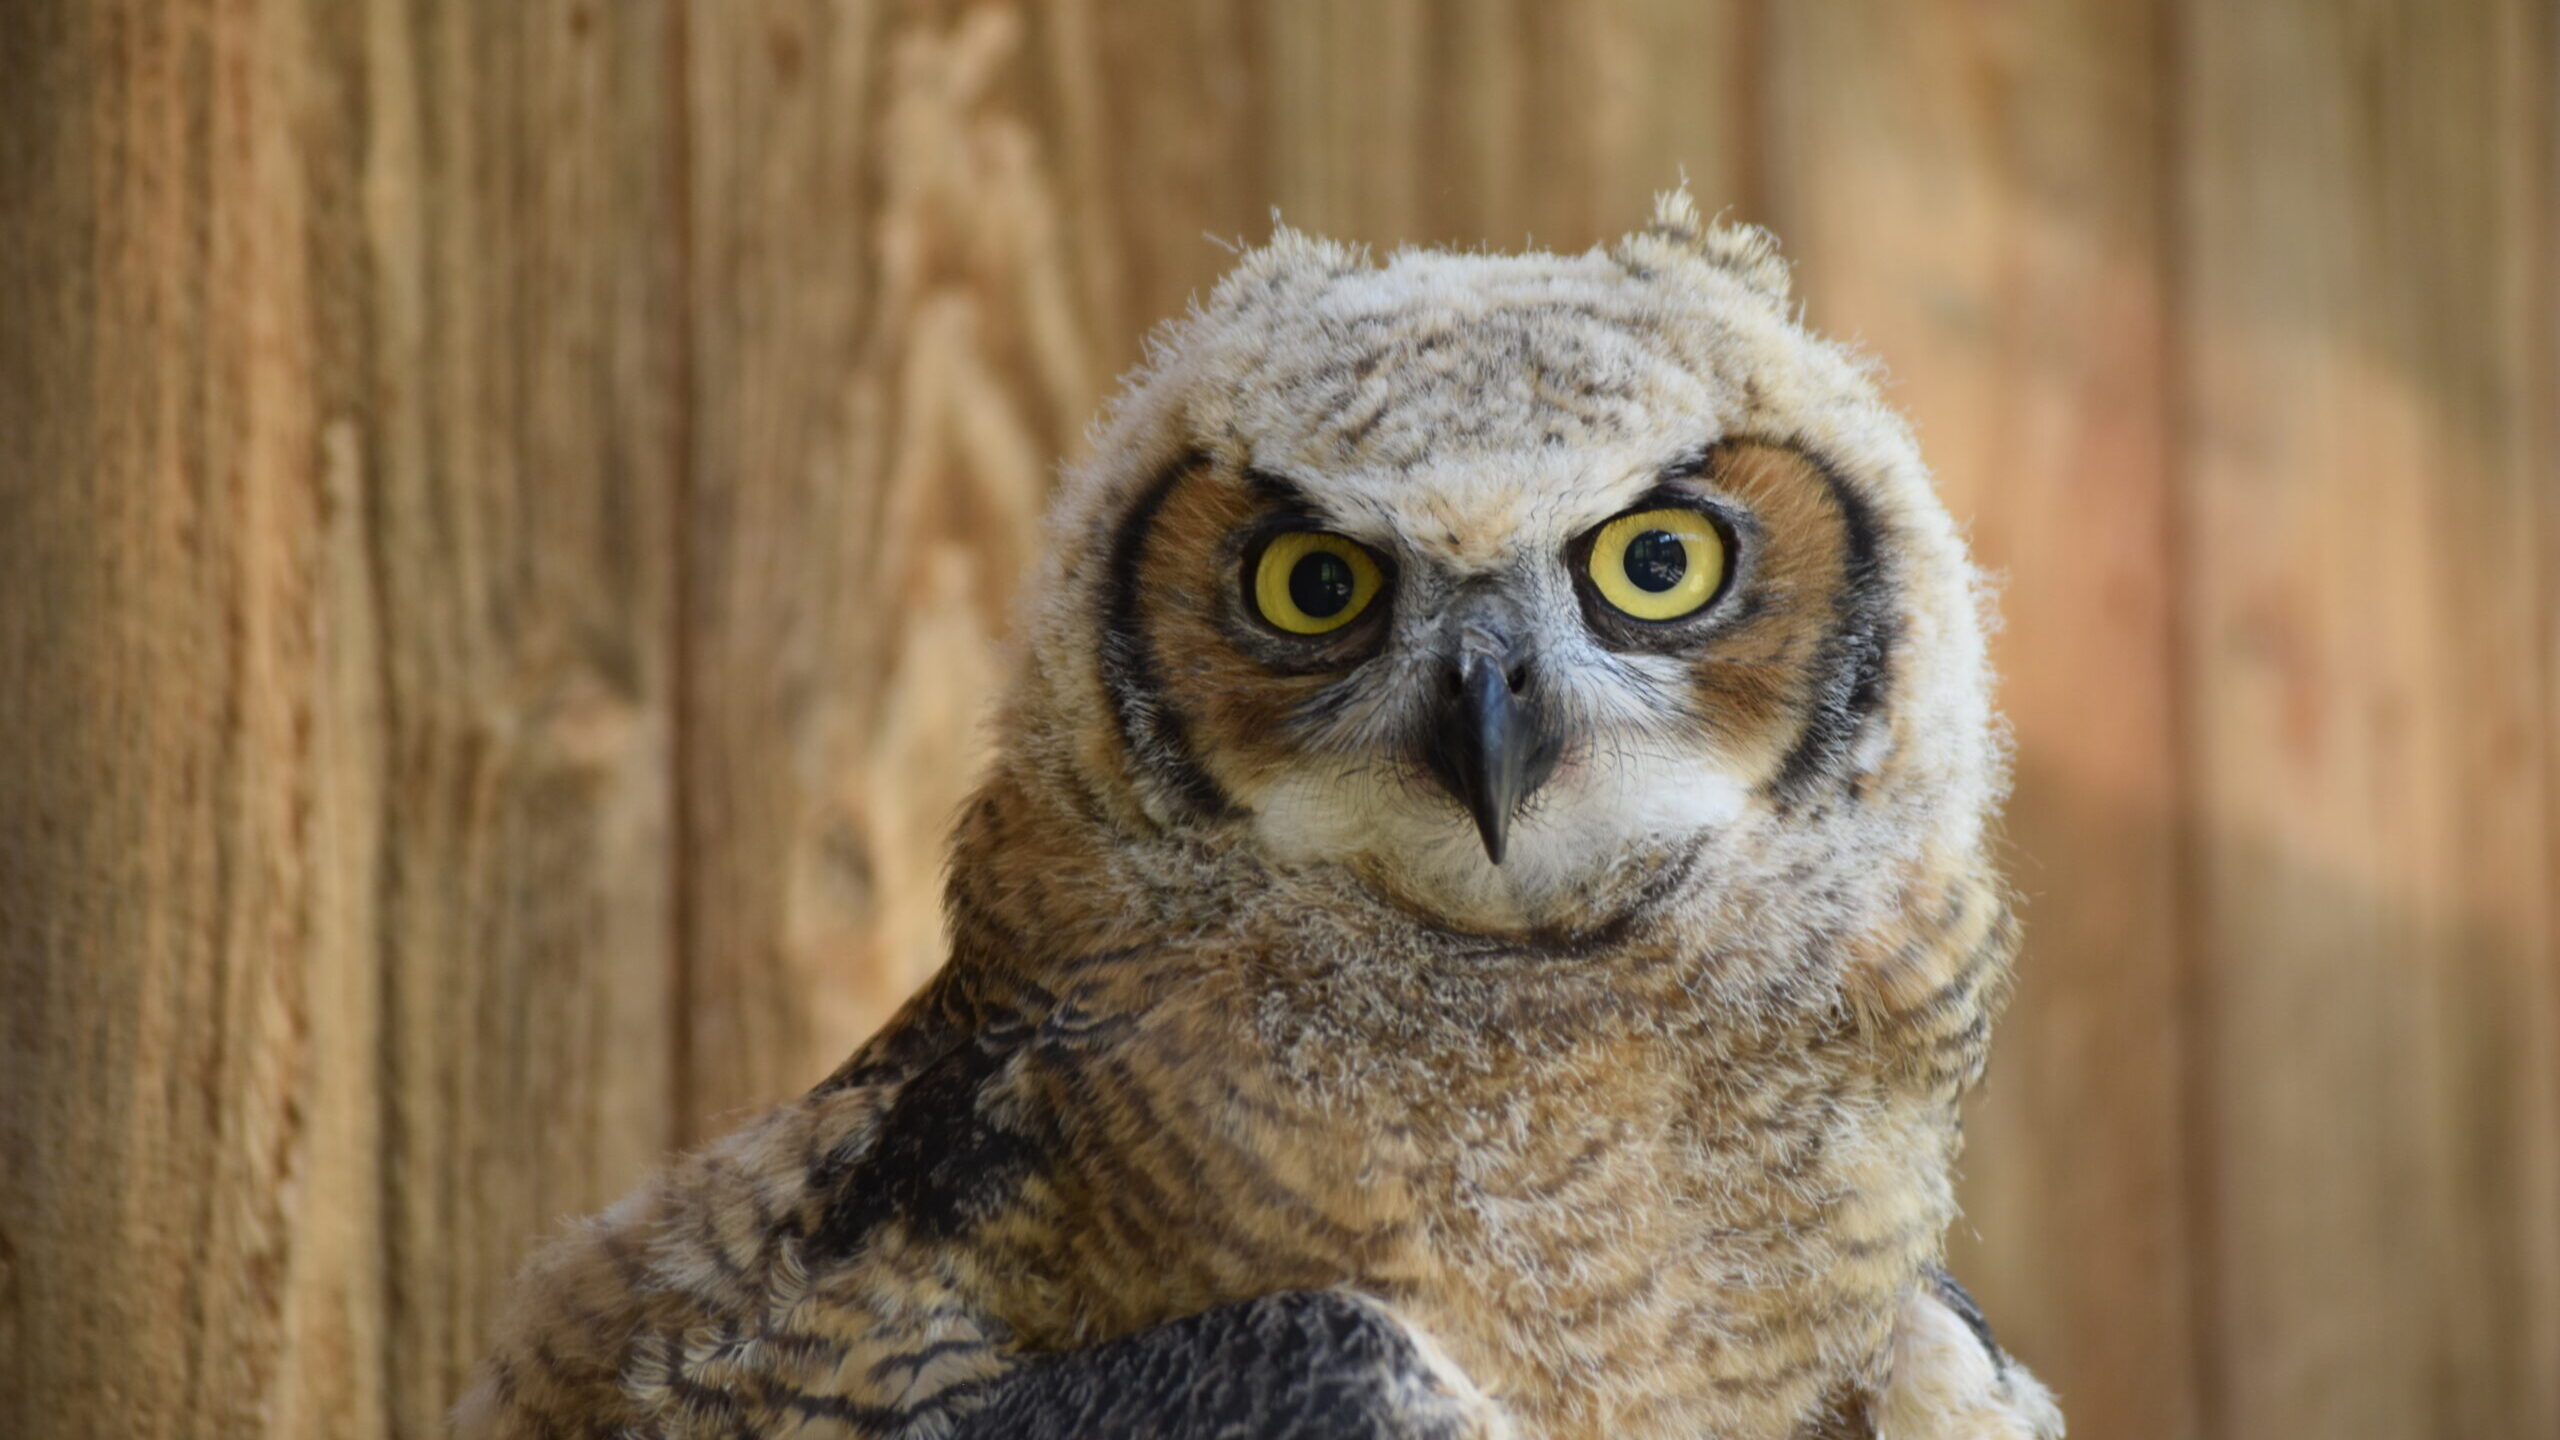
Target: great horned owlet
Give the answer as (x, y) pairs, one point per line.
(1479, 926)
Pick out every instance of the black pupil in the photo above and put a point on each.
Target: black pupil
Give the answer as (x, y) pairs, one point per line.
(1320, 584)
(1656, 560)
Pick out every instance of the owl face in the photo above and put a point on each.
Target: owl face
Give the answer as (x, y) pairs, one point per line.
(1518, 588)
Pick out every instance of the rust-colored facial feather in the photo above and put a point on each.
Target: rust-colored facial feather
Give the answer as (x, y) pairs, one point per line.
(1778, 656)
(1240, 686)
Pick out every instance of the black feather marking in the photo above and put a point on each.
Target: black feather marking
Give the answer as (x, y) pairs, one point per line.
(1280, 491)
(1960, 1300)
(1850, 665)
(862, 1419)
(1152, 730)
(939, 1161)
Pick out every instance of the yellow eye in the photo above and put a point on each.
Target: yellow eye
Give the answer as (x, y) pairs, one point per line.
(1658, 564)
(1310, 583)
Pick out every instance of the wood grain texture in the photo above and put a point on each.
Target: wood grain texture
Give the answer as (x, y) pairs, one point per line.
(516, 440)
(510, 514)
(782, 457)
(2364, 472)
(336, 770)
(175, 753)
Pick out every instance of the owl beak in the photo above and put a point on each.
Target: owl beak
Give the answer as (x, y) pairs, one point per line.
(1489, 746)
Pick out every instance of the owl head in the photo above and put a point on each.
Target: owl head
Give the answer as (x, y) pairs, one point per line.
(1512, 588)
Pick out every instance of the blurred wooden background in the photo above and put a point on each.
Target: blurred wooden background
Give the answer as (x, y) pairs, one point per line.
(508, 513)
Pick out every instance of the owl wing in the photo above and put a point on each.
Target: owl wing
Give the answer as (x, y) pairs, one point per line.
(1301, 1363)
(811, 1277)
(708, 1301)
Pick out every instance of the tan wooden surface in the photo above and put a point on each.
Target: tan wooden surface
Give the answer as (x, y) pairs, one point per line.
(509, 515)
(2366, 458)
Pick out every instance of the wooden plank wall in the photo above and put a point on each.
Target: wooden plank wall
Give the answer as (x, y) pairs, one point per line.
(2368, 482)
(508, 515)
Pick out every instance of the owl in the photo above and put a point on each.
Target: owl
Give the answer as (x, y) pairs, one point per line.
(1479, 925)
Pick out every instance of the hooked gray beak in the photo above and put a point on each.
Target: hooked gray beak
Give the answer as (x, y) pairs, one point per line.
(1489, 743)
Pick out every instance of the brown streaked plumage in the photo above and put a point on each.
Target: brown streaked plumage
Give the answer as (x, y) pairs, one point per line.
(1643, 1129)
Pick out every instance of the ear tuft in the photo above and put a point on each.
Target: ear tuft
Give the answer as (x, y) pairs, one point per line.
(1675, 218)
(1747, 252)
(1751, 255)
